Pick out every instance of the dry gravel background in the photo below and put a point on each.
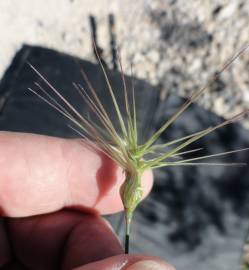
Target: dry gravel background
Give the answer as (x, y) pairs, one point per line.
(177, 44)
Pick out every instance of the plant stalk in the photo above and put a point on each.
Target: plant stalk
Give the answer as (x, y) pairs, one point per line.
(127, 232)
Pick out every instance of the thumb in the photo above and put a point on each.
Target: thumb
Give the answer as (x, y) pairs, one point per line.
(128, 262)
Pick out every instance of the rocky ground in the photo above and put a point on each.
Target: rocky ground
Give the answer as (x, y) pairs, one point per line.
(177, 44)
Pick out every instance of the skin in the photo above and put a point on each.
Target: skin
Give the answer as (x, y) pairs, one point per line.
(52, 193)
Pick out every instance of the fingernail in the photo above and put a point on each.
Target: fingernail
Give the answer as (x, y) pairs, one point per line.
(148, 265)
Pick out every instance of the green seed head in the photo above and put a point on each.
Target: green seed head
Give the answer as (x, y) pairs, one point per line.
(131, 191)
(122, 144)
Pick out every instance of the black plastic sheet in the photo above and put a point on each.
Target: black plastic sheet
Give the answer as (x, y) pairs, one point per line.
(195, 217)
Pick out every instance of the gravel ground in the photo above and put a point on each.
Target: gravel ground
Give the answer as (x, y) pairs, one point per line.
(176, 44)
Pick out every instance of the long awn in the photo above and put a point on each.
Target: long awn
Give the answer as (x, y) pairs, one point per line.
(122, 144)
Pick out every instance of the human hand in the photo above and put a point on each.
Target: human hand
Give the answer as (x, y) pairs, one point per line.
(42, 180)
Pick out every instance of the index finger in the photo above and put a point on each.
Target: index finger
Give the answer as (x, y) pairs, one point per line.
(41, 174)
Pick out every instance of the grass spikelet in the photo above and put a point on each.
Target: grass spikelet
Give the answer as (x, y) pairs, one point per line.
(122, 144)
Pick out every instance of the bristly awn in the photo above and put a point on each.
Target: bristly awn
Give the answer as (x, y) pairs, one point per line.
(122, 145)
